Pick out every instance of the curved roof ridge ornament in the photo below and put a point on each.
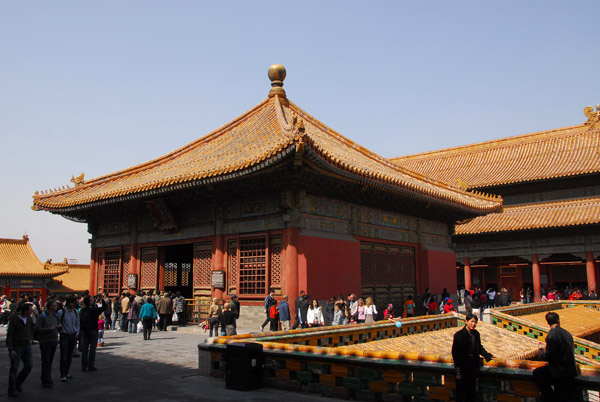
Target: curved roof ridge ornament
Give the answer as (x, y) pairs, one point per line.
(593, 116)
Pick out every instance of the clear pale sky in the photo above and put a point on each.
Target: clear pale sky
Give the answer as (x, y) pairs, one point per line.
(96, 87)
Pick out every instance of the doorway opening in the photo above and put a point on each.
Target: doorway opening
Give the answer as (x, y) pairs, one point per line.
(179, 262)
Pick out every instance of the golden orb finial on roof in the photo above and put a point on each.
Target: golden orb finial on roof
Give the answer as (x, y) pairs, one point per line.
(277, 75)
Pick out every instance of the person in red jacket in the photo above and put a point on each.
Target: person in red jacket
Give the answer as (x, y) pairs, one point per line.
(448, 306)
(274, 316)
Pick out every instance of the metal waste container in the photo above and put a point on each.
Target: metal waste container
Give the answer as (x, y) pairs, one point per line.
(244, 366)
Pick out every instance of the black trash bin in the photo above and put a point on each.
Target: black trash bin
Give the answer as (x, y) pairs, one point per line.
(244, 366)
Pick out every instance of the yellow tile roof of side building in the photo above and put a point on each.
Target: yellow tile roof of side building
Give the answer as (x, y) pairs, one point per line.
(18, 259)
(562, 152)
(272, 131)
(577, 212)
(75, 279)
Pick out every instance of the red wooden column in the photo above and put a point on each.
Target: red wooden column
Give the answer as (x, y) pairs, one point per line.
(535, 267)
(591, 271)
(468, 283)
(93, 273)
(218, 262)
(289, 275)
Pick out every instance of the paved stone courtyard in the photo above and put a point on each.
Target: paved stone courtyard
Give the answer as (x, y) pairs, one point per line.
(131, 369)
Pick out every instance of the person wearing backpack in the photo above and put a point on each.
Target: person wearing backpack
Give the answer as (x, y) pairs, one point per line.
(69, 320)
(46, 332)
(88, 320)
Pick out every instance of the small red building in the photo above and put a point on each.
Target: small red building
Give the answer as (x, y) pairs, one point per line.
(21, 272)
(274, 198)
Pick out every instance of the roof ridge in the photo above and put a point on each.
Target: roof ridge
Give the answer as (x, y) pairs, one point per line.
(153, 162)
(538, 205)
(500, 142)
(2, 240)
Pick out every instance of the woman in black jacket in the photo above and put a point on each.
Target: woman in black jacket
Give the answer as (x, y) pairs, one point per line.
(466, 350)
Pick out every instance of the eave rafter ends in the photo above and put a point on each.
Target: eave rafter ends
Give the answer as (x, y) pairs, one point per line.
(274, 130)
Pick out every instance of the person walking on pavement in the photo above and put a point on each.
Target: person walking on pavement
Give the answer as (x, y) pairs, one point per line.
(69, 320)
(269, 301)
(466, 349)
(284, 314)
(297, 303)
(164, 312)
(148, 315)
(88, 319)
(46, 330)
(234, 306)
(125, 301)
(561, 369)
(19, 338)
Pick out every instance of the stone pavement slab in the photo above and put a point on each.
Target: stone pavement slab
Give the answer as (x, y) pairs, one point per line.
(131, 369)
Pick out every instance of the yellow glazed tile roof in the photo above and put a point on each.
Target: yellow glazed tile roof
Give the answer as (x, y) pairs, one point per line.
(18, 259)
(76, 279)
(563, 152)
(585, 211)
(579, 321)
(270, 132)
(497, 341)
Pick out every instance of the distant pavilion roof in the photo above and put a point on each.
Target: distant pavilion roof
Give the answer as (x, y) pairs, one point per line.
(76, 279)
(577, 212)
(18, 259)
(269, 133)
(563, 152)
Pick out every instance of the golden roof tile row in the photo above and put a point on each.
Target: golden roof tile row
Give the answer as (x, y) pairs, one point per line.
(18, 259)
(76, 279)
(580, 321)
(269, 132)
(585, 211)
(497, 341)
(563, 152)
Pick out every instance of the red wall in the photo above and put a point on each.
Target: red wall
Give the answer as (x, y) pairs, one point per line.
(437, 270)
(328, 267)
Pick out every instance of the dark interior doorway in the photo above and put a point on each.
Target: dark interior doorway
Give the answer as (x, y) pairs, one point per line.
(179, 262)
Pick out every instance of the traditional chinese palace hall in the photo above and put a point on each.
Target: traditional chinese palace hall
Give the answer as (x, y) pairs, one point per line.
(274, 198)
(548, 232)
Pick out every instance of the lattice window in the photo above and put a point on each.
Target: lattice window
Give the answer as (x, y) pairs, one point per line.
(367, 263)
(170, 274)
(387, 265)
(233, 263)
(149, 264)
(112, 263)
(275, 266)
(186, 270)
(395, 269)
(408, 269)
(125, 267)
(381, 267)
(202, 265)
(252, 266)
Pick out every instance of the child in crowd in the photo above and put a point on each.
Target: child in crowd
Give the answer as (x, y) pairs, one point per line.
(274, 316)
(101, 325)
(388, 312)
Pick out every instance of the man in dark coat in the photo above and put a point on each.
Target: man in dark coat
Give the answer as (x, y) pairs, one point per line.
(561, 368)
(299, 301)
(466, 350)
(19, 338)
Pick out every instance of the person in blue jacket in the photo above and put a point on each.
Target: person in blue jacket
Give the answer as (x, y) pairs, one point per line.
(148, 316)
(284, 314)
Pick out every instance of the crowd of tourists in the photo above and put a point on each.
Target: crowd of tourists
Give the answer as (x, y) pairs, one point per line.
(75, 325)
